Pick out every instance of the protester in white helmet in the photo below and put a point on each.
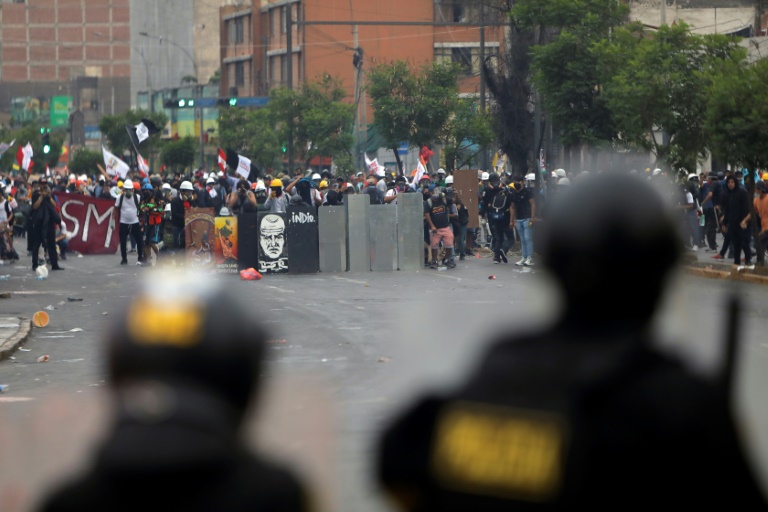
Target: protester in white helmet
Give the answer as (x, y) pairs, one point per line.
(127, 205)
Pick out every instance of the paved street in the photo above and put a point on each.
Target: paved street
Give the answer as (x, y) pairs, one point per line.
(346, 351)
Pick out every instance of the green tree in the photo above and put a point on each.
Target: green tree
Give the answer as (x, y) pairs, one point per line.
(469, 132)
(316, 116)
(118, 141)
(31, 133)
(564, 69)
(85, 161)
(412, 107)
(250, 133)
(179, 154)
(658, 96)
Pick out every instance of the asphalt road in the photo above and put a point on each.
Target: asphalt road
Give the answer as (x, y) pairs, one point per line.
(346, 352)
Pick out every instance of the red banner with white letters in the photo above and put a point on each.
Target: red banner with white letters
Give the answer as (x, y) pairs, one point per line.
(88, 219)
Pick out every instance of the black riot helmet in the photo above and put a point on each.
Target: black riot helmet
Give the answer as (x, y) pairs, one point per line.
(611, 241)
(494, 178)
(188, 333)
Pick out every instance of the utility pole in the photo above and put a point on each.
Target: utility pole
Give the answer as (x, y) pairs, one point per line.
(484, 159)
(357, 64)
(289, 56)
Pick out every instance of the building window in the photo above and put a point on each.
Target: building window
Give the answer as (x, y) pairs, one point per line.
(240, 73)
(455, 11)
(283, 19)
(239, 30)
(467, 57)
(272, 23)
(284, 69)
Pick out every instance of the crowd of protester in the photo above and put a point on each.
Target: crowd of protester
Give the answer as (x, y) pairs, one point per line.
(151, 209)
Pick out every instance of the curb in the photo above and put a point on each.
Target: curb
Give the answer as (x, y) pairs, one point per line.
(12, 343)
(731, 275)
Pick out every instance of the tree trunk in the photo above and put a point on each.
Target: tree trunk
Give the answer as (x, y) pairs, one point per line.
(399, 163)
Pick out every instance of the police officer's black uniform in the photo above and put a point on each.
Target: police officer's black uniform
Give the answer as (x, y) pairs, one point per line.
(585, 415)
(183, 369)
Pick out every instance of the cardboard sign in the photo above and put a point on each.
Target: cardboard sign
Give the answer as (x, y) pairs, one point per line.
(466, 185)
(88, 219)
(226, 245)
(199, 231)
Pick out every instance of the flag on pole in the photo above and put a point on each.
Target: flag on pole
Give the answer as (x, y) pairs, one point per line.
(421, 170)
(243, 166)
(143, 167)
(222, 160)
(4, 147)
(24, 157)
(373, 165)
(114, 165)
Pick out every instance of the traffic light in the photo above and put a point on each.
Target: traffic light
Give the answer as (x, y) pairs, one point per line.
(46, 139)
(226, 102)
(179, 103)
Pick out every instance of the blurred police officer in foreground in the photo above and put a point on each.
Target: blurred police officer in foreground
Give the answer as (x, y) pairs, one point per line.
(585, 415)
(183, 366)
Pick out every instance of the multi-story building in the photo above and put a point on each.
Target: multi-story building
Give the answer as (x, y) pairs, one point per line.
(255, 53)
(97, 56)
(59, 51)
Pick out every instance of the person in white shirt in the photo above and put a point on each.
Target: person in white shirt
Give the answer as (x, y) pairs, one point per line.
(127, 204)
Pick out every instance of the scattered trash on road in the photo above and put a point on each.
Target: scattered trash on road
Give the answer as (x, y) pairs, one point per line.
(250, 274)
(277, 341)
(44, 359)
(25, 349)
(76, 329)
(72, 299)
(491, 277)
(3, 388)
(385, 359)
(6, 277)
(49, 308)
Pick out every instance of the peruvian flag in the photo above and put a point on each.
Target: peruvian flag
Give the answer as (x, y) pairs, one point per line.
(143, 167)
(24, 156)
(222, 160)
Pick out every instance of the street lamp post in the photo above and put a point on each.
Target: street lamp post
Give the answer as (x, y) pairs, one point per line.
(198, 87)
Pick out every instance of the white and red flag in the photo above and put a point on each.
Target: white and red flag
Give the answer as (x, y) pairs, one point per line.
(222, 160)
(24, 156)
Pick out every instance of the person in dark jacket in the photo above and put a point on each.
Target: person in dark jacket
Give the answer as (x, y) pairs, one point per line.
(179, 205)
(586, 414)
(183, 366)
(736, 217)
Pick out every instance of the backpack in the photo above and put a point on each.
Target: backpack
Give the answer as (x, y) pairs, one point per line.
(497, 207)
(135, 201)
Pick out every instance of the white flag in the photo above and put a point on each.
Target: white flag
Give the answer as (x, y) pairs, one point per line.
(373, 165)
(114, 165)
(4, 147)
(243, 166)
(142, 132)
